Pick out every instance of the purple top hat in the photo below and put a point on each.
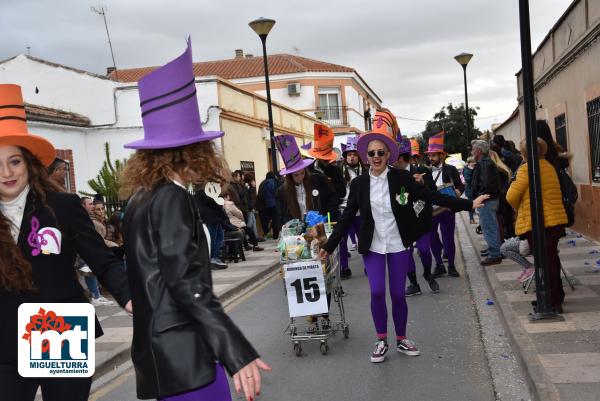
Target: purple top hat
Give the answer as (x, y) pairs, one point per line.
(403, 144)
(351, 145)
(169, 105)
(288, 149)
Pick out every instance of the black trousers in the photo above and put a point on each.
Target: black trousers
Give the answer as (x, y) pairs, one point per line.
(268, 219)
(13, 387)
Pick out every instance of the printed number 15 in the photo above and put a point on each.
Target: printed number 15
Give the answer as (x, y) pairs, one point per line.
(312, 292)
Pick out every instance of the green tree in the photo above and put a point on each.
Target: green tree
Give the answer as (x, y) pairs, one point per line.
(107, 182)
(451, 119)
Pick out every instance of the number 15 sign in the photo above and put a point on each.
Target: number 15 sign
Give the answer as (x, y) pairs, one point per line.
(305, 286)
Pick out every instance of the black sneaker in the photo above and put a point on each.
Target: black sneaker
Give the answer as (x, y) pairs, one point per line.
(433, 285)
(345, 274)
(452, 272)
(378, 354)
(413, 290)
(439, 271)
(407, 347)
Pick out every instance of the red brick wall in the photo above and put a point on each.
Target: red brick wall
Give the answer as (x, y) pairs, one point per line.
(67, 154)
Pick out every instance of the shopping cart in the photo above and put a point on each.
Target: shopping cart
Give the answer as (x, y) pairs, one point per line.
(323, 326)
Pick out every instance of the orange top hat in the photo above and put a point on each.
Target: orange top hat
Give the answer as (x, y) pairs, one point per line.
(13, 126)
(384, 129)
(415, 148)
(436, 143)
(322, 147)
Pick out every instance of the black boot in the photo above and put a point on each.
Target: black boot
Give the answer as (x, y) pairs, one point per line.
(452, 271)
(439, 271)
(412, 277)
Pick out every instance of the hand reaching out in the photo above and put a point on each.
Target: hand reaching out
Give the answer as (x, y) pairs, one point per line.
(248, 378)
(479, 201)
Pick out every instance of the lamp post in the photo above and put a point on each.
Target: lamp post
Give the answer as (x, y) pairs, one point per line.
(543, 309)
(262, 27)
(463, 59)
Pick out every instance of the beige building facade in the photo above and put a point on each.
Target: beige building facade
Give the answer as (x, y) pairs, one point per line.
(566, 68)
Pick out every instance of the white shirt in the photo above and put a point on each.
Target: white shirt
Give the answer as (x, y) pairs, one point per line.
(386, 237)
(13, 210)
(301, 197)
(353, 173)
(435, 171)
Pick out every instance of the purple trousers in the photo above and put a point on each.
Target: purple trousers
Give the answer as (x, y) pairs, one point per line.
(397, 266)
(354, 227)
(423, 244)
(215, 391)
(446, 221)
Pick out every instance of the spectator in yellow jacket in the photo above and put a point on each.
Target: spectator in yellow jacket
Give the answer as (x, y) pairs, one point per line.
(555, 216)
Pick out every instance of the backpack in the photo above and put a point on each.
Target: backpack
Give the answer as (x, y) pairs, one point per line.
(569, 195)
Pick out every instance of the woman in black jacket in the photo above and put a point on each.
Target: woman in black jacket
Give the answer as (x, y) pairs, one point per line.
(302, 190)
(41, 231)
(386, 199)
(182, 338)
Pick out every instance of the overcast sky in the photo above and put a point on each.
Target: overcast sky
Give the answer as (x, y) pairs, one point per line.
(404, 49)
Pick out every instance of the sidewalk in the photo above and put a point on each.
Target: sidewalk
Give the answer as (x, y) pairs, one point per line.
(562, 359)
(113, 347)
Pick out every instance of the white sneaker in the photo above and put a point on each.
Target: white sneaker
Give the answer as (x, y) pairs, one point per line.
(85, 269)
(101, 301)
(378, 354)
(353, 247)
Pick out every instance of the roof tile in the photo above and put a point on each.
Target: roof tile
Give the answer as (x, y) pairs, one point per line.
(243, 68)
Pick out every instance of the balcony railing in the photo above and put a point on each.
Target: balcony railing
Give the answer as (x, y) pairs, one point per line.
(334, 116)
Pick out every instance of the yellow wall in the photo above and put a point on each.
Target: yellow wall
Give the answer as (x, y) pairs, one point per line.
(244, 142)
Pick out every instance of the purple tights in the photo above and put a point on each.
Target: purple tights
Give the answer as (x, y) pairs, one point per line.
(424, 247)
(397, 269)
(215, 391)
(446, 221)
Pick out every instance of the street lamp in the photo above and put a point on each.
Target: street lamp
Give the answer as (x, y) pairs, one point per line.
(463, 59)
(262, 27)
(543, 310)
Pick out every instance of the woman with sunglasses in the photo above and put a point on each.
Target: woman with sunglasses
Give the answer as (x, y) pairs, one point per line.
(387, 199)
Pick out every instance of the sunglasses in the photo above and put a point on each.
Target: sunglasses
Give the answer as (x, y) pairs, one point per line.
(372, 153)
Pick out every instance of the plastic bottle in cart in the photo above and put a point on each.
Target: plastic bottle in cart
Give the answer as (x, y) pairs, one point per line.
(314, 248)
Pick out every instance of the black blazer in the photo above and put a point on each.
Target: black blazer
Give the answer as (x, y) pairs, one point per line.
(326, 200)
(54, 275)
(410, 228)
(180, 328)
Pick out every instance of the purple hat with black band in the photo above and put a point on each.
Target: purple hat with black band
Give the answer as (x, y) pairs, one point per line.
(170, 112)
(403, 144)
(351, 145)
(290, 153)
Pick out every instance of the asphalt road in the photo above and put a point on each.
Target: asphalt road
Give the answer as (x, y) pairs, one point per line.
(452, 365)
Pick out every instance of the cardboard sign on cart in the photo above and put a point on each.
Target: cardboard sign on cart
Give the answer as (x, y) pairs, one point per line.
(305, 287)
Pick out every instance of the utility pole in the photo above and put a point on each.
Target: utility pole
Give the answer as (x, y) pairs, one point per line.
(101, 11)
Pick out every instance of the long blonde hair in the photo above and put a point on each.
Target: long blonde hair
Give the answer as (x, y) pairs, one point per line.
(499, 163)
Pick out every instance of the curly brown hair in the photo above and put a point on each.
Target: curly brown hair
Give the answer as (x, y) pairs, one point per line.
(15, 270)
(197, 164)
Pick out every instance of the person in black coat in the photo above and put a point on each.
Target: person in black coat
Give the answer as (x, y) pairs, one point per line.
(385, 198)
(447, 180)
(302, 190)
(41, 232)
(423, 211)
(183, 341)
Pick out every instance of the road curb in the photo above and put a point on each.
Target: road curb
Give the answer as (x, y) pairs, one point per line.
(539, 384)
(122, 352)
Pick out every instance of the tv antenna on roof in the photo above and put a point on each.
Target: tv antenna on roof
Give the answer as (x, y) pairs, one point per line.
(101, 11)
(28, 50)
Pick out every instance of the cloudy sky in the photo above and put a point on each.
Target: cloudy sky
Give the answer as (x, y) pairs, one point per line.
(403, 48)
